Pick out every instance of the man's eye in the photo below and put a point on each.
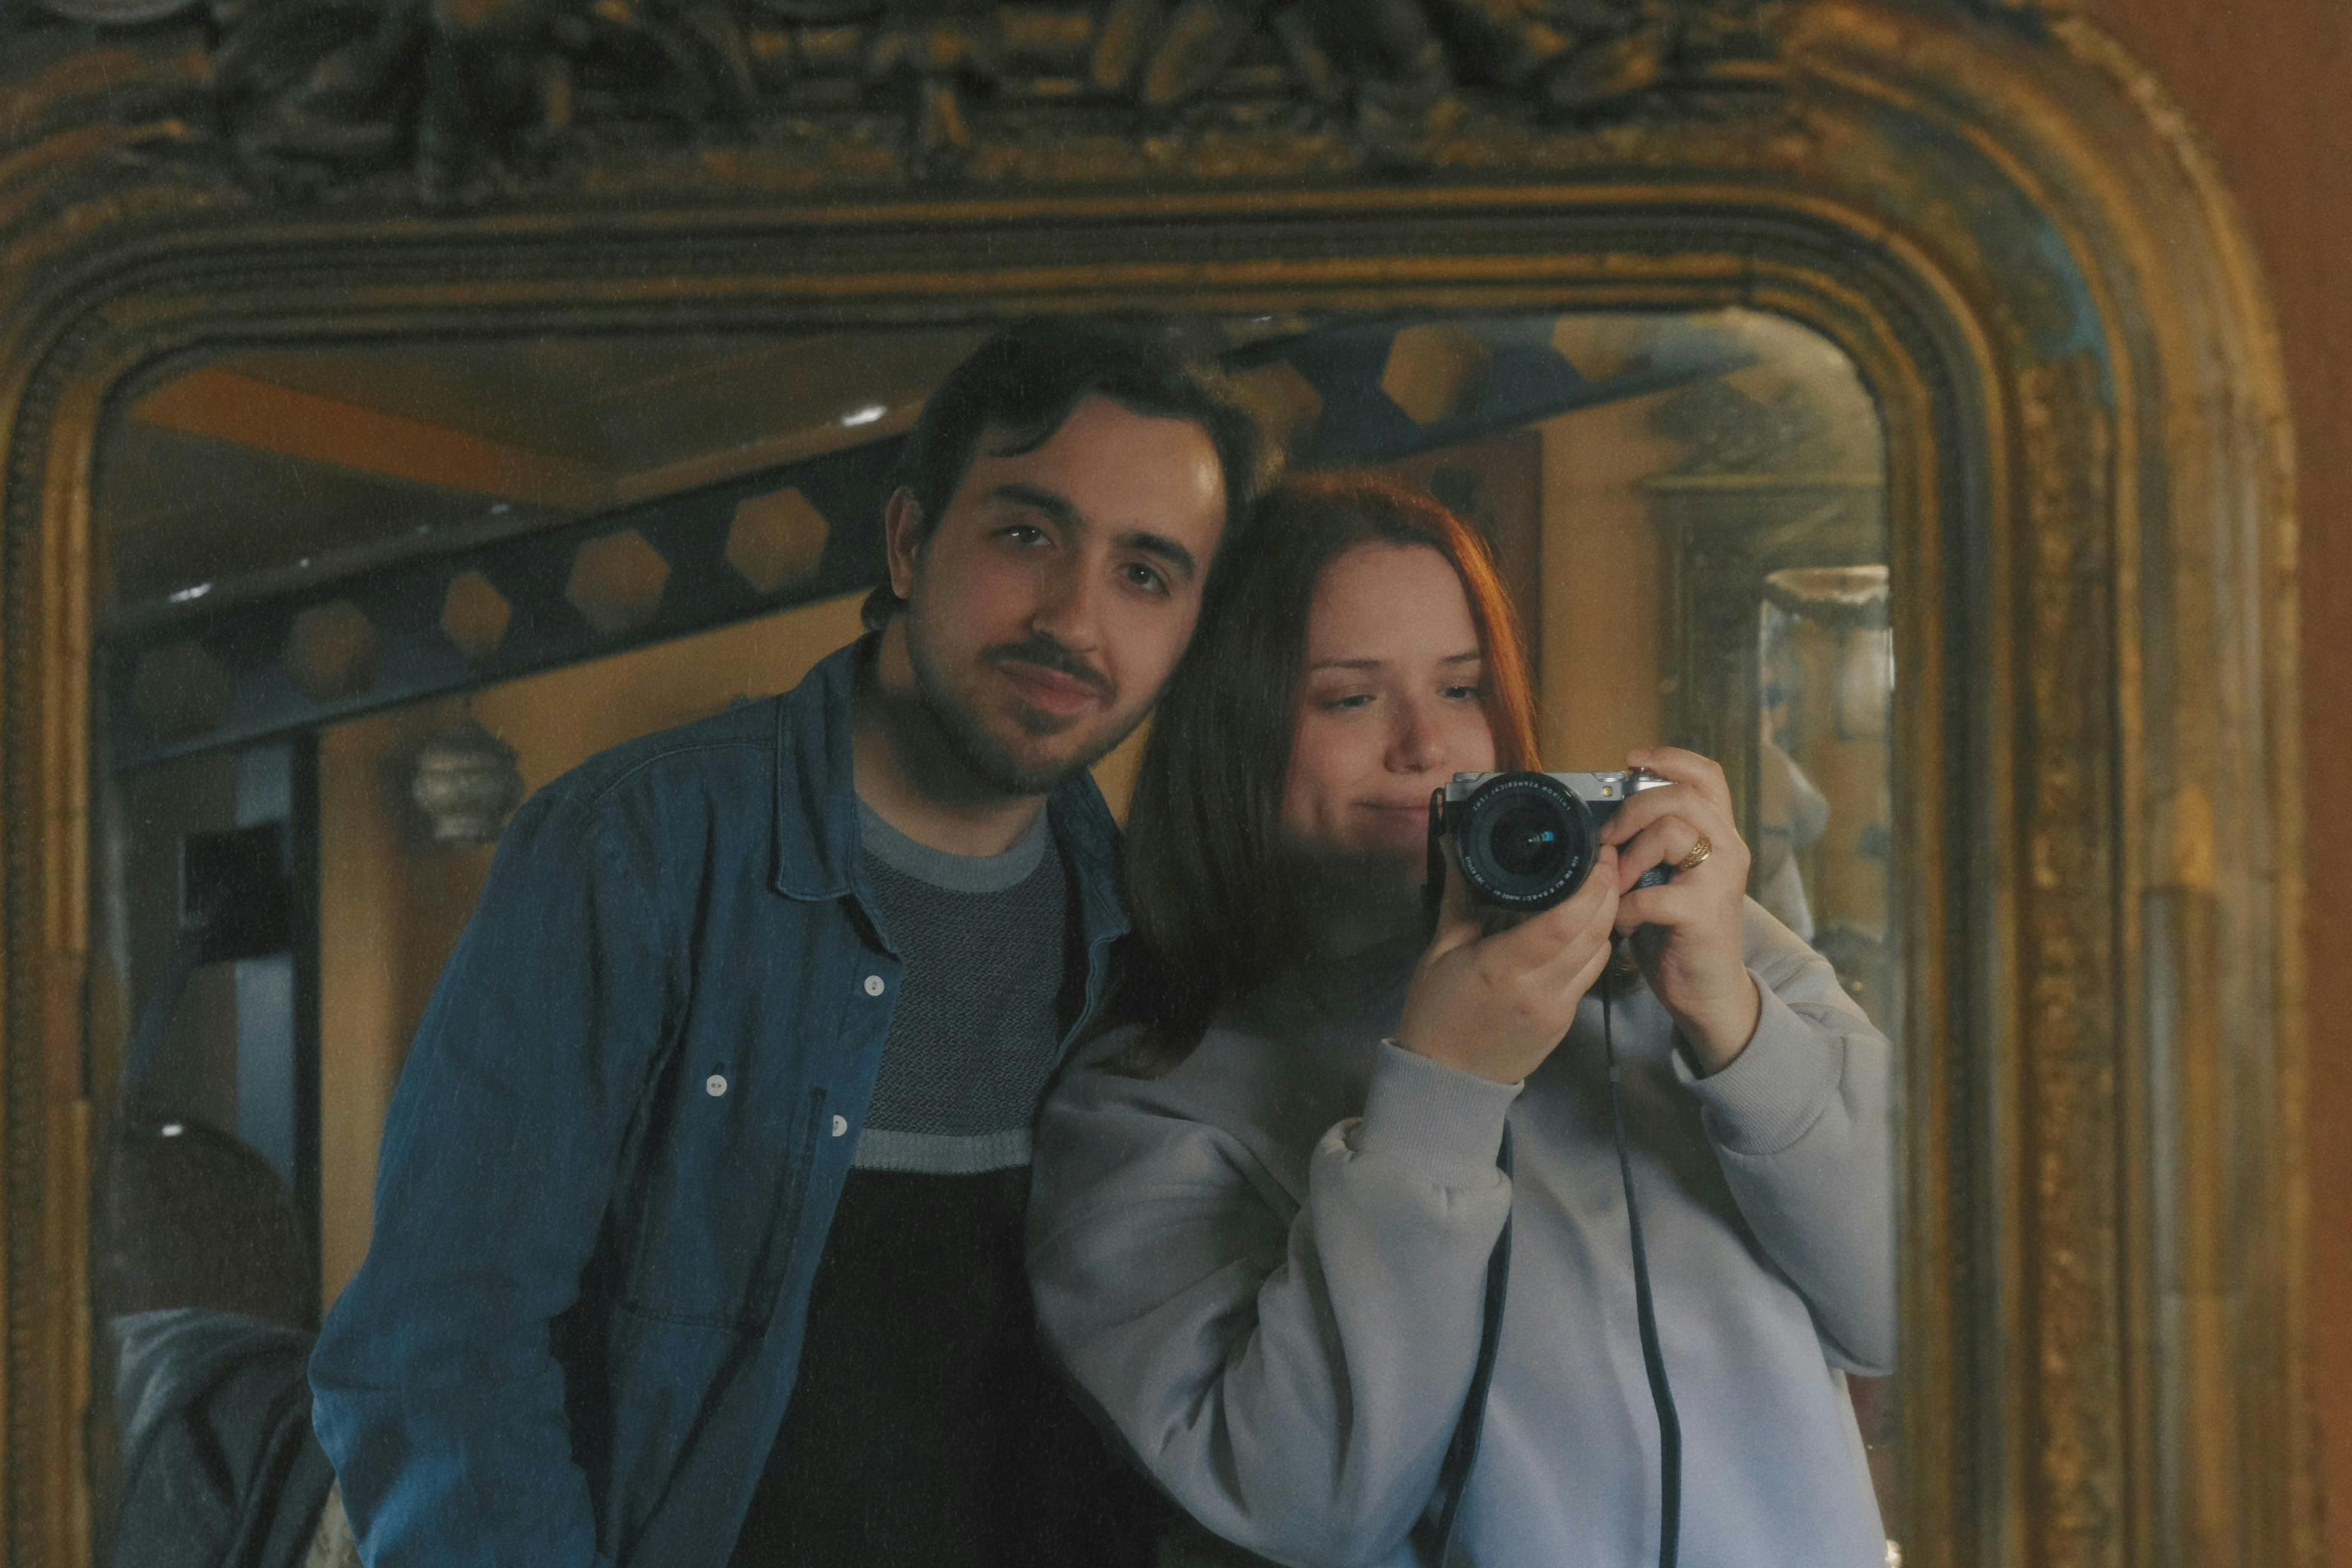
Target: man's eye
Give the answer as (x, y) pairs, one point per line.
(1145, 578)
(1022, 533)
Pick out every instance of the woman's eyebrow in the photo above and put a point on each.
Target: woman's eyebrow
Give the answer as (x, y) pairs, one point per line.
(1473, 657)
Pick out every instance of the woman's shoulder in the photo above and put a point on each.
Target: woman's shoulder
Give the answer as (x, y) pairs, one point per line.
(1135, 1060)
(1792, 969)
(1771, 947)
(1236, 1078)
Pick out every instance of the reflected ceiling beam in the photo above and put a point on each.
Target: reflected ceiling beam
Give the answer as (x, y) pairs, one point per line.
(808, 528)
(223, 406)
(792, 447)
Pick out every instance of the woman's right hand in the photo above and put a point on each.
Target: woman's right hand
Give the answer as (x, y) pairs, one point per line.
(1497, 1004)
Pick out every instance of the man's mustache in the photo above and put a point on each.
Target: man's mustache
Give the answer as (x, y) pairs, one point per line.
(1047, 654)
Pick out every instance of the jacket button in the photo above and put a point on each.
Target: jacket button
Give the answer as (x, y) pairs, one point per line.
(716, 1085)
(840, 1126)
(874, 986)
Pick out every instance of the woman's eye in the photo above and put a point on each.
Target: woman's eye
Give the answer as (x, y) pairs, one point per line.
(1462, 693)
(1348, 700)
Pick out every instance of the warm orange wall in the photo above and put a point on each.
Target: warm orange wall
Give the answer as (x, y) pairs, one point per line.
(2266, 82)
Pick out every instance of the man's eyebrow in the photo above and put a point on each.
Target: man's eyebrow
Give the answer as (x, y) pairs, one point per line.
(1056, 506)
(1177, 559)
(1051, 502)
(1473, 657)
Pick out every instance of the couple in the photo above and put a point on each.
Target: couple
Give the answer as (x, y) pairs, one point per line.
(716, 1185)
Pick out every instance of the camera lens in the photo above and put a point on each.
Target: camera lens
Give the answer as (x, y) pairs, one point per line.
(1526, 841)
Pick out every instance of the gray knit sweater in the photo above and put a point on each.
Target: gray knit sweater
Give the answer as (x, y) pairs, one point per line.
(1267, 1266)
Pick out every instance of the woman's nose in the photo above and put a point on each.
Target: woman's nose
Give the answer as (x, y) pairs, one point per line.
(1414, 746)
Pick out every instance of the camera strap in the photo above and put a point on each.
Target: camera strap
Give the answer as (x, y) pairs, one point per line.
(1654, 1358)
(1453, 1475)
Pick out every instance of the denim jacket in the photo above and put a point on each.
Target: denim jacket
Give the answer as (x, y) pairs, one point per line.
(616, 1148)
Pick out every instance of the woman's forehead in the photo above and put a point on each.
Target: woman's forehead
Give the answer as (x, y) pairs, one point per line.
(1383, 601)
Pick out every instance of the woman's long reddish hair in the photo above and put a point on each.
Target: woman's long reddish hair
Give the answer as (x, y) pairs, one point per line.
(1215, 917)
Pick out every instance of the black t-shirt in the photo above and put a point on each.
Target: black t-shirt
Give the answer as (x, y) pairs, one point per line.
(926, 1428)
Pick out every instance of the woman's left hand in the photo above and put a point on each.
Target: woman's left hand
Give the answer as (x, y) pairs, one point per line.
(1697, 959)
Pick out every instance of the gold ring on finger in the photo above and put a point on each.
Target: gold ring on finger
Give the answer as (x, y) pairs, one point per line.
(1697, 856)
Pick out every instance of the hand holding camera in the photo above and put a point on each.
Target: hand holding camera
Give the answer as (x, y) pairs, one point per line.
(1665, 834)
(1694, 951)
(1498, 1003)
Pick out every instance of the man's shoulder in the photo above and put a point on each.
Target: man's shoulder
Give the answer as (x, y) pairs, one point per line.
(742, 745)
(733, 747)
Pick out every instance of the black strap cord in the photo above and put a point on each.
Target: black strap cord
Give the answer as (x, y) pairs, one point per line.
(1453, 1475)
(1654, 1358)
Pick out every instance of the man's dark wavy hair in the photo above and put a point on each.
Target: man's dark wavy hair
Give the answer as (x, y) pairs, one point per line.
(1025, 381)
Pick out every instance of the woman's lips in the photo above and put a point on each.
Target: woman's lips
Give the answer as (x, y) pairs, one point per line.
(1415, 811)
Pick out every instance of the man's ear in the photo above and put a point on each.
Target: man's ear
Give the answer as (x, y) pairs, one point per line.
(902, 527)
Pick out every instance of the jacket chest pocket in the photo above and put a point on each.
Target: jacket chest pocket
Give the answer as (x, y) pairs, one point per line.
(710, 1233)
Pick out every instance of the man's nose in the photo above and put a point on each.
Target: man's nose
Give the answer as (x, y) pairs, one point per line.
(1069, 604)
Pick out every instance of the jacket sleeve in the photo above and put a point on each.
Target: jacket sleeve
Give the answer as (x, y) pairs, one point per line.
(436, 1390)
(1803, 1122)
(1290, 1373)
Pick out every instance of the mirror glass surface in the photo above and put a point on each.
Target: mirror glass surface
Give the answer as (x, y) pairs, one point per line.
(1690, 510)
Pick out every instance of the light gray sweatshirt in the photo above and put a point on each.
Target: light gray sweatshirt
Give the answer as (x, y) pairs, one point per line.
(1268, 1266)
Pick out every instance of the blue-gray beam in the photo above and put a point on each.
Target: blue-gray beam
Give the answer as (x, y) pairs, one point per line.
(235, 685)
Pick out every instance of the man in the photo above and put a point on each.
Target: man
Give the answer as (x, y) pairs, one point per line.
(699, 1224)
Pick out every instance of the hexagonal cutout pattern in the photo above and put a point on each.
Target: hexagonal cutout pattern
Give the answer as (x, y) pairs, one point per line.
(775, 539)
(617, 580)
(1285, 402)
(180, 690)
(332, 651)
(475, 615)
(1434, 371)
(1603, 346)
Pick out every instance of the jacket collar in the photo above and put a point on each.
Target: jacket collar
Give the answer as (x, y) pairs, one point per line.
(1083, 824)
(816, 793)
(816, 802)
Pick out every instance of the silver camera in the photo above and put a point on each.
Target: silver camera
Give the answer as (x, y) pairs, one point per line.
(1526, 840)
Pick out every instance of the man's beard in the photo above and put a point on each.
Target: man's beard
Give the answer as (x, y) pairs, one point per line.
(967, 739)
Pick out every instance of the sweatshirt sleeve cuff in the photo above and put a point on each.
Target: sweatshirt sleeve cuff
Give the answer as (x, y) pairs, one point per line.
(1419, 1110)
(1776, 1089)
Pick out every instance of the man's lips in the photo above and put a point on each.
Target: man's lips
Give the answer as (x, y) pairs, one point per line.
(1050, 691)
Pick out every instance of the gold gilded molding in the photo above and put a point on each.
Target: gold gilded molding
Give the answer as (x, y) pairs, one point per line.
(2066, 962)
(1991, 211)
(477, 101)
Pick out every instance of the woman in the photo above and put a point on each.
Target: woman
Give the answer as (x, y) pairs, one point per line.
(1263, 1212)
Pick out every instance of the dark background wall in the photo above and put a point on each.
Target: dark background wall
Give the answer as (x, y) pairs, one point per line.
(2269, 83)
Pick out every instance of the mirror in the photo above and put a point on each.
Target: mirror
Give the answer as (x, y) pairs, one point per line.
(1691, 507)
(319, 247)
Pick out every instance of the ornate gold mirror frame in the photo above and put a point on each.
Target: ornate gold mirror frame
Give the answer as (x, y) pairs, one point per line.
(1994, 214)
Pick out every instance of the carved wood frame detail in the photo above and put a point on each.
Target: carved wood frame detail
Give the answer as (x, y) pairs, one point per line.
(1997, 215)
